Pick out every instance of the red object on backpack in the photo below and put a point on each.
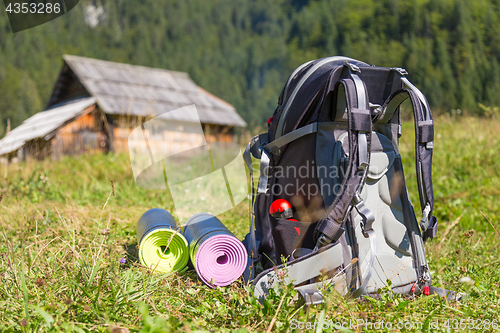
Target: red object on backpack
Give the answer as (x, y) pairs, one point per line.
(269, 121)
(281, 209)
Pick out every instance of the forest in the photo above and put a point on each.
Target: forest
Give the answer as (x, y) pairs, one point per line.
(243, 51)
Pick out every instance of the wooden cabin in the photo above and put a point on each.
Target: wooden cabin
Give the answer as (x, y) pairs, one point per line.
(96, 104)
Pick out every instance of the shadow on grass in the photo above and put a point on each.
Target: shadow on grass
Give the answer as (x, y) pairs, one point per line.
(132, 252)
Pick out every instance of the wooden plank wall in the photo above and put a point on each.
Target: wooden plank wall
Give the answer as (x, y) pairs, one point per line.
(83, 135)
(121, 126)
(88, 134)
(37, 149)
(218, 133)
(169, 142)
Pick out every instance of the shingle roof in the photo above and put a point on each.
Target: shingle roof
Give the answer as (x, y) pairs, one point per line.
(142, 91)
(43, 123)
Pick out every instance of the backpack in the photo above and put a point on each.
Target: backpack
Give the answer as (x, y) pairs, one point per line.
(332, 152)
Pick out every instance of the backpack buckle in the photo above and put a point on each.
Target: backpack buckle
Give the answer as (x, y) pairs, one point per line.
(375, 109)
(353, 67)
(426, 275)
(400, 71)
(365, 213)
(363, 166)
(426, 215)
(322, 241)
(311, 297)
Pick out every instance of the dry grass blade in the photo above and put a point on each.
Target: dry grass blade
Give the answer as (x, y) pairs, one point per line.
(102, 240)
(43, 248)
(487, 219)
(106, 203)
(168, 244)
(276, 314)
(353, 261)
(447, 231)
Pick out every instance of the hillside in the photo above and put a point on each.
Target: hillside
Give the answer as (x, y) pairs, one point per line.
(243, 50)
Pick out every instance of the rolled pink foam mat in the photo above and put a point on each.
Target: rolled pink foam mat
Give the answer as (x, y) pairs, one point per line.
(217, 255)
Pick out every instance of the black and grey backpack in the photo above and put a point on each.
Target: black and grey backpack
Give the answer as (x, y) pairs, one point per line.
(332, 152)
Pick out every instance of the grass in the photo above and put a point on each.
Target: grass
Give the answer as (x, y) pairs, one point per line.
(63, 233)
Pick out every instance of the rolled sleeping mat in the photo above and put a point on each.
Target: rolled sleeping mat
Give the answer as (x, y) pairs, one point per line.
(217, 255)
(162, 247)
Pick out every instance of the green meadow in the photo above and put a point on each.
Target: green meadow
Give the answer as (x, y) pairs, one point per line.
(65, 225)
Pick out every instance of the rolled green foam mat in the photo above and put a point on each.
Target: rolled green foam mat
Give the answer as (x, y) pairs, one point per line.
(162, 247)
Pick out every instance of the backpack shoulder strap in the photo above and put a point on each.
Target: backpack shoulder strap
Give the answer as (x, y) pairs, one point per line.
(331, 226)
(309, 70)
(424, 137)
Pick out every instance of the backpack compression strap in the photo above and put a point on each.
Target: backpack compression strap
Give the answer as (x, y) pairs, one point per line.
(254, 149)
(424, 137)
